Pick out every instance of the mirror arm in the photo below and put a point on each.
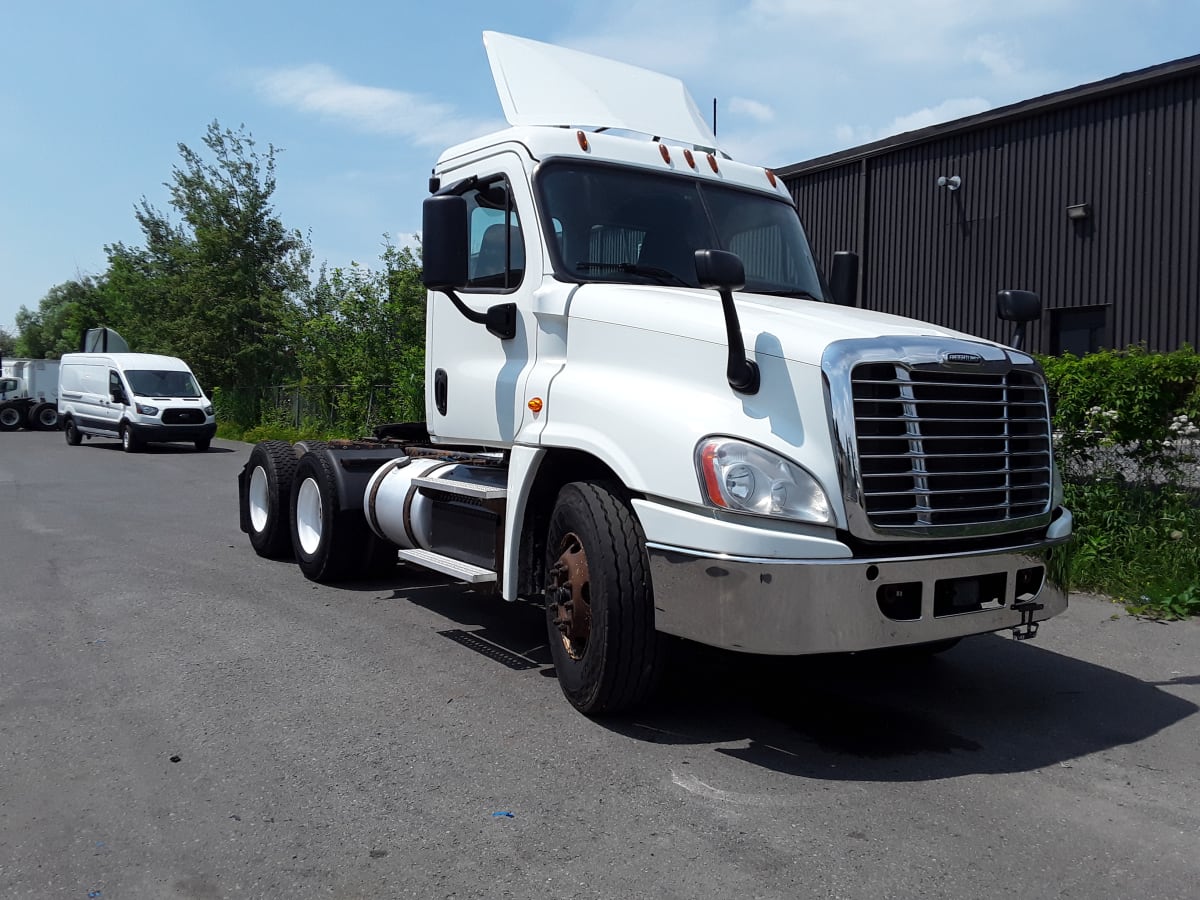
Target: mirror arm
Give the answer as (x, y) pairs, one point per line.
(742, 373)
(500, 320)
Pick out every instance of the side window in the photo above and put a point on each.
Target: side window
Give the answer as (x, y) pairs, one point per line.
(8, 384)
(114, 384)
(497, 248)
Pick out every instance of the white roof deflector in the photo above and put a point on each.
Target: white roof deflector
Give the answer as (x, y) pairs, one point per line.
(541, 84)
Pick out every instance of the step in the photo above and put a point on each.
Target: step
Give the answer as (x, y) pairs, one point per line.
(462, 488)
(463, 571)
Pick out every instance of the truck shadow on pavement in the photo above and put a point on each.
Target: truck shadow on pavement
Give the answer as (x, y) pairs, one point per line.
(989, 705)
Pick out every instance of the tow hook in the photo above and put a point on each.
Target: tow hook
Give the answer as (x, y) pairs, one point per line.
(1027, 628)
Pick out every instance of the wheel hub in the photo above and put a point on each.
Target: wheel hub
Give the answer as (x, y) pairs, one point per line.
(568, 589)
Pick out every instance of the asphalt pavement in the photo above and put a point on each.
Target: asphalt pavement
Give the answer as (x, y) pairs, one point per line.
(182, 719)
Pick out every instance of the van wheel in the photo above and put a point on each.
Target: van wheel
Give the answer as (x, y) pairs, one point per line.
(129, 441)
(203, 444)
(44, 417)
(272, 466)
(328, 542)
(599, 601)
(10, 418)
(71, 432)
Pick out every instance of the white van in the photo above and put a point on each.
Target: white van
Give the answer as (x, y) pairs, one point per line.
(139, 398)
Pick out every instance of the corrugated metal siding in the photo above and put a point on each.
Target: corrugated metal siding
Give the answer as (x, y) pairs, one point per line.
(939, 255)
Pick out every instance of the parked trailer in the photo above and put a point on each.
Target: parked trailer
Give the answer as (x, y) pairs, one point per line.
(645, 412)
(28, 394)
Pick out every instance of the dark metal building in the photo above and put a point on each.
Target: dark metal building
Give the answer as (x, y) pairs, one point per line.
(1089, 196)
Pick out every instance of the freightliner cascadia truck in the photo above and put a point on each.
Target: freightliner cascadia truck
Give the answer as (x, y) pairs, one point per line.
(648, 411)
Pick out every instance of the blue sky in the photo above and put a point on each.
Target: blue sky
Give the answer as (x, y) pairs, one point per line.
(361, 96)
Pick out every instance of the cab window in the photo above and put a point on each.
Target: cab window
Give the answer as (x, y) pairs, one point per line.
(497, 250)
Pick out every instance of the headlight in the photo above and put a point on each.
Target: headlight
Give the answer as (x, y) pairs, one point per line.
(144, 410)
(208, 410)
(740, 476)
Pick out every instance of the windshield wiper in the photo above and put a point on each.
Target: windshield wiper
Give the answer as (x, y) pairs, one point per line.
(635, 269)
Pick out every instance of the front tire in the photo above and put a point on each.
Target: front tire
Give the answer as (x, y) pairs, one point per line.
(328, 542)
(203, 444)
(11, 418)
(272, 467)
(71, 432)
(129, 441)
(599, 601)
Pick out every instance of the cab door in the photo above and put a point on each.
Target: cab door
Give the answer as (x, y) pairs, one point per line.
(474, 380)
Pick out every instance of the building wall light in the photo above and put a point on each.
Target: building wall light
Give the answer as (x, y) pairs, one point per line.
(1078, 211)
(950, 183)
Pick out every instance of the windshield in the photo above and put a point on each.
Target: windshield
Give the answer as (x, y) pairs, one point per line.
(612, 223)
(162, 383)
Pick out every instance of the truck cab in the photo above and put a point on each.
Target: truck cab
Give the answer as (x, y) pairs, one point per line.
(645, 411)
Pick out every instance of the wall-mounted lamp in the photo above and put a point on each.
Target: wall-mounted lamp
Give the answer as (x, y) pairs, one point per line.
(951, 183)
(1079, 211)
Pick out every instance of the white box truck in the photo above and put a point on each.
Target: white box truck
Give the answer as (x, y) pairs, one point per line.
(645, 412)
(28, 394)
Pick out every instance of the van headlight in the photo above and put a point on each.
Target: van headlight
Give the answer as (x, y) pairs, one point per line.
(208, 410)
(744, 477)
(144, 410)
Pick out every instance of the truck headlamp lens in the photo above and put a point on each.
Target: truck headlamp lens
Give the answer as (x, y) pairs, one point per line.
(743, 477)
(144, 410)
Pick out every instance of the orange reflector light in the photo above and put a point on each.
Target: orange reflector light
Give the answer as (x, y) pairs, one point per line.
(666, 154)
(708, 457)
(771, 177)
(583, 141)
(691, 160)
(712, 162)
(536, 404)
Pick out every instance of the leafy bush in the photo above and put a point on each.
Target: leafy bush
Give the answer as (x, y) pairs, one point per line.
(1126, 436)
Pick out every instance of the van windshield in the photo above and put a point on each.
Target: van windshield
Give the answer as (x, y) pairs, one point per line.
(162, 383)
(612, 223)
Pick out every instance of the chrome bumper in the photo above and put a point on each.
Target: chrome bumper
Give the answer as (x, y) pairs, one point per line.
(792, 607)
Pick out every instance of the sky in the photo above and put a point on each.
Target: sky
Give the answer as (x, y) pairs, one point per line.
(359, 98)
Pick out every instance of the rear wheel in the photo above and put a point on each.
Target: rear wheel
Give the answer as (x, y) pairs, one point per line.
(44, 417)
(328, 542)
(72, 433)
(272, 466)
(11, 418)
(599, 601)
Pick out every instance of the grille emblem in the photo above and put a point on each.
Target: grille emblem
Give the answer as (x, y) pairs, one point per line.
(963, 359)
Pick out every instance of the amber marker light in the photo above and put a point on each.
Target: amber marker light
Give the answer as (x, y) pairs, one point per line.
(691, 160)
(583, 141)
(708, 455)
(712, 162)
(536, 404)
(666, 154)
(770, 177)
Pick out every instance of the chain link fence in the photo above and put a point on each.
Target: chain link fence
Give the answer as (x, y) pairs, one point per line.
(338, 408)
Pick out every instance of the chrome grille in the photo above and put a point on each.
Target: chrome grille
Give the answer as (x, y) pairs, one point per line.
(943, 449)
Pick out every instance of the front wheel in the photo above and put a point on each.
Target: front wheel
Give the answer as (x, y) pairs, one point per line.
(129, 440)
(10, 418)
(599, 601)
(203, 444)
(71, 432)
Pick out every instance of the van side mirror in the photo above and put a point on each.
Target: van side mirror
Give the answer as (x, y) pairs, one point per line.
(1021, 307)
(444, 238)
(843, 278)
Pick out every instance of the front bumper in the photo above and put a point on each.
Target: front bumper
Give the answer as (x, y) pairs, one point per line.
(156, 434)
(801, 606)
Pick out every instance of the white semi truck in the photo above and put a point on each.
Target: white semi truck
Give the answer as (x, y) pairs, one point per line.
(648, 411)
(28, 394)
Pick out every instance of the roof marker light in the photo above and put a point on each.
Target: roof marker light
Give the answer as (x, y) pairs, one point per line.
(770, 176)
(712, 162)
(583, 141)
(691, 160)
(666, 154)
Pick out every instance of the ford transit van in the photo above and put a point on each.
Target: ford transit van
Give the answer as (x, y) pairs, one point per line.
(137, 398)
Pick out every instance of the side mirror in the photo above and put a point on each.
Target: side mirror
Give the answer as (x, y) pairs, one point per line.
(1021, 307)
(444, 237)
(720, 269)
(843, 278)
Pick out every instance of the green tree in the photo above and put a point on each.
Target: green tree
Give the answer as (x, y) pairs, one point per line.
(219, 286)
(58, 323)
(8, 343)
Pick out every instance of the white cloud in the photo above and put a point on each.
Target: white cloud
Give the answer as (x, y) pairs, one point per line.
(760, 112)
(946, 111)
(995, 54)
(320, 90)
